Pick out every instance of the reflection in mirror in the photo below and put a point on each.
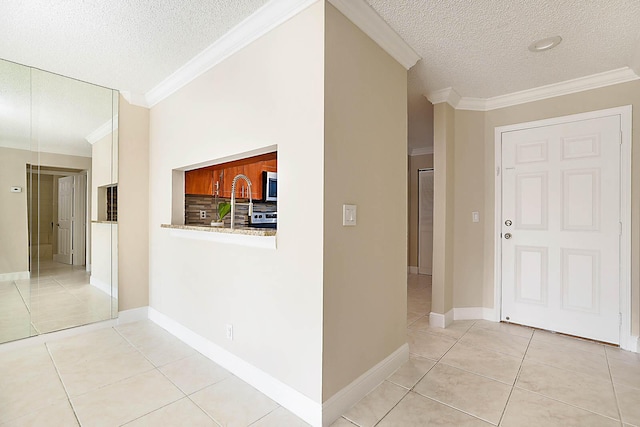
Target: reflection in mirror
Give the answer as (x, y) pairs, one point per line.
(58, 261)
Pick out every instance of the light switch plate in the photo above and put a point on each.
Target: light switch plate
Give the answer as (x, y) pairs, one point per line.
(349, 215)
(475, 216)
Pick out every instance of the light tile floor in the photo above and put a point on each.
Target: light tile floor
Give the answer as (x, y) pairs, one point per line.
(57, 297)
(472, 373)
(485, 373)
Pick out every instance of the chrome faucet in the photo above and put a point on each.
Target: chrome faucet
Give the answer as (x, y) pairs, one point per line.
(233, 196)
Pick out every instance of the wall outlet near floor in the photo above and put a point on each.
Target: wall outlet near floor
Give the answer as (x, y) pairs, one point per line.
(203, 214)
(229, 331)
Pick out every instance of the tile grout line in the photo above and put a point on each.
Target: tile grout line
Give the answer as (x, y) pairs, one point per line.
(515, 380)
(615, 392)
(553, 398)
(157, 368)
(55, 366)
(573, 405)
(411, 390)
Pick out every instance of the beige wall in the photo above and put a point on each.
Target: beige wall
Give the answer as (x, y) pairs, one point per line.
(415, 163)
(443, 208)
(365, 156)
(269, 93)
(473, 284)
(14, 250)
(133, 206)
(468, 197)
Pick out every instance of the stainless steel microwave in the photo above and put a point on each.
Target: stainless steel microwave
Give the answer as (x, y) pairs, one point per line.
(270, 186)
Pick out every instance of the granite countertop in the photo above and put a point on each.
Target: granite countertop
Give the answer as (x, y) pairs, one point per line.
(243, 231)
(104, 222)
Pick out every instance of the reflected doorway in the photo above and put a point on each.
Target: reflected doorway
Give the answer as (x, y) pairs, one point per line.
(58, 233)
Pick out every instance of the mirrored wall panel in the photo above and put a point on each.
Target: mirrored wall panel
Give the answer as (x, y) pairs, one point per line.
(58, 202)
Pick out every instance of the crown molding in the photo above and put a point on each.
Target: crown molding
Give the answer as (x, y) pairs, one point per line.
(364, 17)
(421, 151)
(103, 130)
(253, 27)
(134, 98)
(448, 95)
(594, 81)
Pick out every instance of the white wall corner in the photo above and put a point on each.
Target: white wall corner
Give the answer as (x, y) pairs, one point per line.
(133, 315)
(412, 269)
(265, 19)
(421, 151)
(448, 95)
(340, 402)
(438, 320)
(296, 402)
(367, 19)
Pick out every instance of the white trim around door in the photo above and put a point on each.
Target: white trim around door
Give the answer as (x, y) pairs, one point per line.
(625, 112)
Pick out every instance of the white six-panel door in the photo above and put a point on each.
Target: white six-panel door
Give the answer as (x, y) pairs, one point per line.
(65, 220)
(561, 228)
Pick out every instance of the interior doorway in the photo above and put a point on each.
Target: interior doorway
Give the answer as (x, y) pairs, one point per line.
(425, 221)
(57, 197)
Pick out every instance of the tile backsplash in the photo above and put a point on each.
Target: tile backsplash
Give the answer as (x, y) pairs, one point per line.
(194, 204)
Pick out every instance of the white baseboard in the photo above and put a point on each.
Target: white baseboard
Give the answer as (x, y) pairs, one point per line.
(633, 344)
(441, 320)
(103, 286)
(296, 402)
(340, 402)
(17, 275)
(133, 315)
(412, 269)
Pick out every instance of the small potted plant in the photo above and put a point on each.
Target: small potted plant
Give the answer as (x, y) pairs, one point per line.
(223, 210)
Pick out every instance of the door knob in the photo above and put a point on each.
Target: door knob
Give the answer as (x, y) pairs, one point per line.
(507, 235)
(508, 223)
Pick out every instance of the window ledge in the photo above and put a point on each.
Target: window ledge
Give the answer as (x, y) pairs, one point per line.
(252, 237)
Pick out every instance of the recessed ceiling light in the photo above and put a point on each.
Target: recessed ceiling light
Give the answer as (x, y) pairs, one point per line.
(545, 44)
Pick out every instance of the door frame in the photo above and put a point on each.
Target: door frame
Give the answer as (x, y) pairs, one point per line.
(419, 228)
(627, 342)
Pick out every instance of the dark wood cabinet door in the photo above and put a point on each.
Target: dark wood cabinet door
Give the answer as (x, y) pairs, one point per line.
(198, 181)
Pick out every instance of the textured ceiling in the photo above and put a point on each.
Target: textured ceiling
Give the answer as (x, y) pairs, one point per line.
(478, 47)
(126, 45)
(47, 112)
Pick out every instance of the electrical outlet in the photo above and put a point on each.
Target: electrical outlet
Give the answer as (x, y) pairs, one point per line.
(229, 330)
(203, 214)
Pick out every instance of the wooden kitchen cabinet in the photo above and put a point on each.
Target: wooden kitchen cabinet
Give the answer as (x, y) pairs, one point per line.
(199, 182)
(203, 181)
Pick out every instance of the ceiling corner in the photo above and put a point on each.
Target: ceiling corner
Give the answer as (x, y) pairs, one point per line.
(137, 99)
(253, 27)
(367, 19)
(448, 95)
